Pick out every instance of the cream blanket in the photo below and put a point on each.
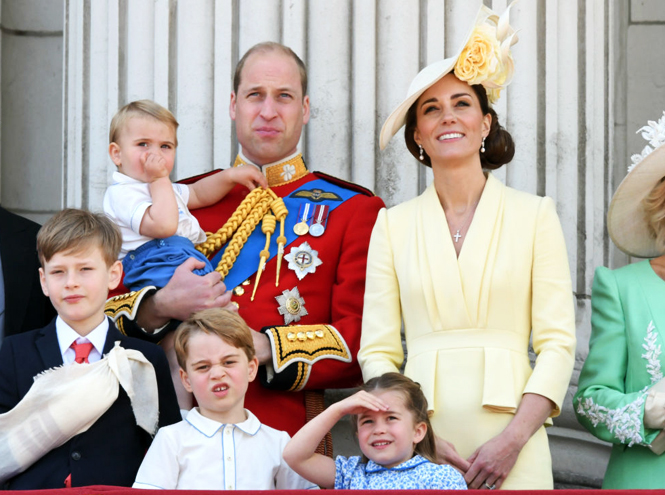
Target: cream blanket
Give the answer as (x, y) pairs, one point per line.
(67, 400)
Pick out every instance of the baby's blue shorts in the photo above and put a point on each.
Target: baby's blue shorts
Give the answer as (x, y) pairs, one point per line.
(154, 262)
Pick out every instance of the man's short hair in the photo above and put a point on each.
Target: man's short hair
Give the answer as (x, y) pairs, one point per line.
(269, 47)
(141, 108)
(75, 231)
(225, 324)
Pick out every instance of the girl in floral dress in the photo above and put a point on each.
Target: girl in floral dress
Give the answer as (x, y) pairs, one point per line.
(395, 437)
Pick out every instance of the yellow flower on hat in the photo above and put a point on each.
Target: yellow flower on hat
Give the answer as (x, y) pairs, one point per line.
(478, 60)
(486, 58)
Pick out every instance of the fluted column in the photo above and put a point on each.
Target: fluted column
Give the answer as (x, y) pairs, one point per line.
(31, 89)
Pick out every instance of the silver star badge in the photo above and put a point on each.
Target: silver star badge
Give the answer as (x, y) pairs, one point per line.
(303, 260)
(291, 305)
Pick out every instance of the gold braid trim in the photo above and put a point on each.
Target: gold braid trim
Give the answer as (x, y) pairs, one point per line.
(215, 241)
(240, 237)
(240, 225)
(306, 344)
(126, 305)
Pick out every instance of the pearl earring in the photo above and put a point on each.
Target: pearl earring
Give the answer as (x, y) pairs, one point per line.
(422, 153)
(482, 146)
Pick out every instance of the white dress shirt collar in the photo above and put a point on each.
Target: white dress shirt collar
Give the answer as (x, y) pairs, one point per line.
(67, 335)
(209, 427)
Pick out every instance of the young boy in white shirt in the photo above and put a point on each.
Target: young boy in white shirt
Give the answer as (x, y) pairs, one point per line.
(220, 445)
(158, 231)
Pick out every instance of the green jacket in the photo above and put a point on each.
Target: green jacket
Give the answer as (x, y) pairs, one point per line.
(625, 359)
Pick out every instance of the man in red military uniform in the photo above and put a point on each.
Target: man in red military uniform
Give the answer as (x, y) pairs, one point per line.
(308, 326)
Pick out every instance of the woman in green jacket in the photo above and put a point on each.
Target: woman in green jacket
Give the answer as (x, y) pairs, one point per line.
(621, 395)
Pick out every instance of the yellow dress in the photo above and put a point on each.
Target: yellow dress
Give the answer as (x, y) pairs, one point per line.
(468, 321)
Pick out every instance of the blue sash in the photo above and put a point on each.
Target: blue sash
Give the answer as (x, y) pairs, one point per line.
(247, 262)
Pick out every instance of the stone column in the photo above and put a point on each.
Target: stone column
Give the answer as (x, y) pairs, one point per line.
(31, 107)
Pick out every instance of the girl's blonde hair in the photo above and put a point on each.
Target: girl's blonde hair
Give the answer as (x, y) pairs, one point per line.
(414, 401)
(654, 210)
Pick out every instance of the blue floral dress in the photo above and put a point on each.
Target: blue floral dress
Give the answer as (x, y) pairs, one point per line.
(415, 474)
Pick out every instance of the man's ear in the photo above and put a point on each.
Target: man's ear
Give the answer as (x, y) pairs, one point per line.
(232, 106)
(305, 105)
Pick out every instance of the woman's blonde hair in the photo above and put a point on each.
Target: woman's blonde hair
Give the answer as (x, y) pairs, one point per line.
(654, 210)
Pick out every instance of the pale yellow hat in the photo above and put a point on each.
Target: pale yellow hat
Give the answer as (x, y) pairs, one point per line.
(626, 220)
(484, 59)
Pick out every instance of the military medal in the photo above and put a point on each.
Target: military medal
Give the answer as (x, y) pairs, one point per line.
(302, 227)
(291, 305)
(303, 260)
(319, 219)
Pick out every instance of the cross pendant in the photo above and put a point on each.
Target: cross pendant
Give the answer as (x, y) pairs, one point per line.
(457, 236)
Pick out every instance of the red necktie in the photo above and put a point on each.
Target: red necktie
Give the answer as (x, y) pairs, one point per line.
(82, 351)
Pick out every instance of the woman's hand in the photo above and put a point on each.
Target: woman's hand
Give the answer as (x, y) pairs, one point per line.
(446, 453)
(491, 463)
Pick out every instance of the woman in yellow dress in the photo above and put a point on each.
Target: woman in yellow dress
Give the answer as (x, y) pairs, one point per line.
(474, 270)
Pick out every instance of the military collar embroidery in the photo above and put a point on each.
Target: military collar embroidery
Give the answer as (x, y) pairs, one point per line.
(209, 427)
(416, 460)
(279, 173)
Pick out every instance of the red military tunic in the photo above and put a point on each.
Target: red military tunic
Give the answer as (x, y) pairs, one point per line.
(319, 351)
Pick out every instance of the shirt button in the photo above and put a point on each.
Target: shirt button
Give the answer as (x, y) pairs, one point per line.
(76, 456)
(230, 487)
(228, 458)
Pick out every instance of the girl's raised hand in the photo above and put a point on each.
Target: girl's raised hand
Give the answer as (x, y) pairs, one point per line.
(359, 403)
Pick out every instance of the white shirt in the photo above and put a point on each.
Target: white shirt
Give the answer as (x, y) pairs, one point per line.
(126, 201)
(202, 454)
(67, 335)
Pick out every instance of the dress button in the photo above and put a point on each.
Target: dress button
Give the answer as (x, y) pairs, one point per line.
(76, 456)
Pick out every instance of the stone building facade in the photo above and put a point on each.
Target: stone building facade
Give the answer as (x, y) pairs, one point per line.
(587, 76)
